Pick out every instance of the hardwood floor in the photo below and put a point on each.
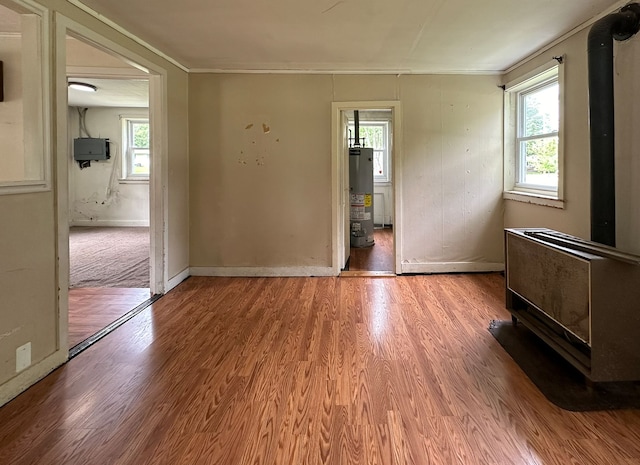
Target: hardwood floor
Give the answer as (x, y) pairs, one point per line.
(379, 257)
(93, 308)
(308, 371)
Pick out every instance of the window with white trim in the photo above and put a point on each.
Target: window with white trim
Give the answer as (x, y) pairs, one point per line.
(376, 135)
(136, 160)
(537, 138)
(533, 149)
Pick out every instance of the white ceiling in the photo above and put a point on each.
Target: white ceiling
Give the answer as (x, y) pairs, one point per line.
(433, 36)
(118, 83)
(9, 20)
(111, 93)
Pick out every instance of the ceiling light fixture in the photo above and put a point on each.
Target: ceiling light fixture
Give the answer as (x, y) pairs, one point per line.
(82, 86)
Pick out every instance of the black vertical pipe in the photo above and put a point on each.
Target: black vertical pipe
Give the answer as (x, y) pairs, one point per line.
(356, 124)
(619, 26)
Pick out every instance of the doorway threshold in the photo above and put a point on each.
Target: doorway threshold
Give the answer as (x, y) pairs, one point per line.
(88, 342)
(367, 274)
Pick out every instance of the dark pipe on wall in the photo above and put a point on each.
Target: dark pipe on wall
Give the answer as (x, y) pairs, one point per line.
(356, 127)
(620, 26)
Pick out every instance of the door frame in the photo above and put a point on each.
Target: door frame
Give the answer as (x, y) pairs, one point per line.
(158, 180)
(339, 203)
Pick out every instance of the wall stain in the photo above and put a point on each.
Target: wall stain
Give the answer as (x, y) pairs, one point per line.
(10, 333)
(258, 148)
(333, 6)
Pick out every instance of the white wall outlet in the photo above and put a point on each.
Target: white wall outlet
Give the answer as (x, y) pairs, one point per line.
(23, 357)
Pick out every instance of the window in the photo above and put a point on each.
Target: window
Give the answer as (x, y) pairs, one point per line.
(376, 136)
(537, 139)
(137, 157)
(532, 146)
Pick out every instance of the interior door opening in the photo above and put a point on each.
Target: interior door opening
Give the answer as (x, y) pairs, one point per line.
(109, 197)
(369, 226)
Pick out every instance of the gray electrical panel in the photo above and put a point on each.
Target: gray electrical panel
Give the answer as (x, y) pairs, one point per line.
(361, 196)
(86, 149)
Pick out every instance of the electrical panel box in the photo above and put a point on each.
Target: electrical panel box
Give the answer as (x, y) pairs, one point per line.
(86, 149)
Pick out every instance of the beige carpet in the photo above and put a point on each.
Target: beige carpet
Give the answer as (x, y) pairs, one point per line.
(109, 257)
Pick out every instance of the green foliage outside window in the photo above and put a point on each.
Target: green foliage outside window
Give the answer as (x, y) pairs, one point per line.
(540, 118)
(141, 135)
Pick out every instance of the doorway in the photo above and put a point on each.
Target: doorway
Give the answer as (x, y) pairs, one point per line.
(115, 265)
(378, 126)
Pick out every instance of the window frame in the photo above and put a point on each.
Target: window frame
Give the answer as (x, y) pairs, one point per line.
(521, 162)
(128, 150)
(515, 91)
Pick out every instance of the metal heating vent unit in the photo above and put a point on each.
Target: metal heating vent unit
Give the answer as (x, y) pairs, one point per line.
(582, 298)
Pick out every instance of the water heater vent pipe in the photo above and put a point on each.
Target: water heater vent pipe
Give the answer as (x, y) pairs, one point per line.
(619, 26)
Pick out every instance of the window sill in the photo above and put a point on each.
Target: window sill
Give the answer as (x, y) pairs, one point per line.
(134, 181)
(533, 198)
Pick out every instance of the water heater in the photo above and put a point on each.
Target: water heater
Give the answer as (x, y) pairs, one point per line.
(361, 196)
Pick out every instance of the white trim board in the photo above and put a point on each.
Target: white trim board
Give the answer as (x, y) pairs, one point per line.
(103, 19)
(177, 279)
(259, 271)
(110, 223)
(451, 267)
(302, 68)
(107, 73)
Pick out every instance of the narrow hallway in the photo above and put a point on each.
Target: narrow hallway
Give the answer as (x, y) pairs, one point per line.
(379, 257)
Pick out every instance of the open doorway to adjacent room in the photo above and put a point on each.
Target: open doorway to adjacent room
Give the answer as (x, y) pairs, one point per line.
(367, 191)
(109, 197)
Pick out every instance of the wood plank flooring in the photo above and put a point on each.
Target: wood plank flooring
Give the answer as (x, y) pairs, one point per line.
(93, 308)
(378, 257)
(308, 371)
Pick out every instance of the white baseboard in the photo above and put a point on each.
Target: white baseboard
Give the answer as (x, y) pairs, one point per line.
(111, 223)
(451, 267)
(177, 279)
(31, 376)
(301, 271)
(240, 271)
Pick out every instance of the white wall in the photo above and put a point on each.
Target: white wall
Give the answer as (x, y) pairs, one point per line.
(90, 203)
(452, 173)
(28, 307)
(627, 91)
(382, 203)
(263, 200)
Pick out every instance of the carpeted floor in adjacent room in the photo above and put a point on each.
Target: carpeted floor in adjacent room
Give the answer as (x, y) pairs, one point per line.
(109, 257)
